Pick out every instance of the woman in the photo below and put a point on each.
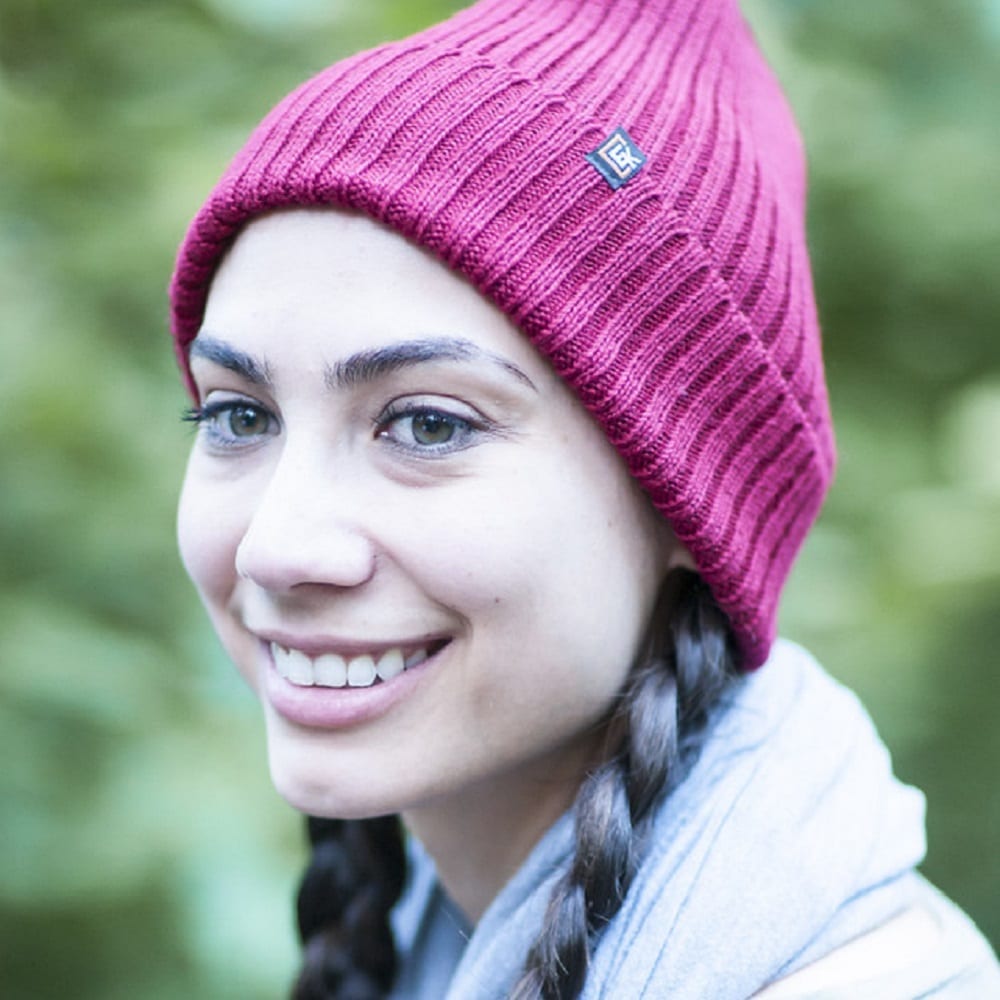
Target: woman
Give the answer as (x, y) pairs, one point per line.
(511, 420)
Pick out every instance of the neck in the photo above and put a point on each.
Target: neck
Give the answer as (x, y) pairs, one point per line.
(479, 837)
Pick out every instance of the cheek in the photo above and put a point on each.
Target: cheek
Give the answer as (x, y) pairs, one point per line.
(541, 542)
(209, 530)
(208, 533)
(558, 579)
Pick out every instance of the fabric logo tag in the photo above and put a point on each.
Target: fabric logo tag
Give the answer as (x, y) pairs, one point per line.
(618, 159)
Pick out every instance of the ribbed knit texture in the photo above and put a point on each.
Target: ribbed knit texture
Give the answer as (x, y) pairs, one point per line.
(679, 307)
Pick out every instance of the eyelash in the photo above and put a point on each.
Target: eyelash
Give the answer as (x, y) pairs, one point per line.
(398, 412)
(208, 419)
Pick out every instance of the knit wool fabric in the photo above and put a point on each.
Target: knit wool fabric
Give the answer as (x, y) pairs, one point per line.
(622, 178)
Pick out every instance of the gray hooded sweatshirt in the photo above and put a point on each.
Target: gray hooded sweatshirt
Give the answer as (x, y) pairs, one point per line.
(789, 838)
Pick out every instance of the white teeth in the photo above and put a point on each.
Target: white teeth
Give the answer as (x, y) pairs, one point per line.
(331, 671)
(279, 655)
(334, 671)
(391, 665)
(361, 672)
(300, 668)
(293, 665)
(415, 658)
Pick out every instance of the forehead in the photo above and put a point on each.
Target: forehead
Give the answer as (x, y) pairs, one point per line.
(326, 280)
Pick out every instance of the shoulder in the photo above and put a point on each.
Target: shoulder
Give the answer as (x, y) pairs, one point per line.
(894, 946)
(931, 946)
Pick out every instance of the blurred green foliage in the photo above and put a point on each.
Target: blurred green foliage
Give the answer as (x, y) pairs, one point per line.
(144, 854)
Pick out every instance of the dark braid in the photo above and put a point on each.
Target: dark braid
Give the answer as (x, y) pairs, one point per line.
(354, 878)
(656, 732)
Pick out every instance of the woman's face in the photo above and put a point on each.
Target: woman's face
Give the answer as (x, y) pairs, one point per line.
(389, 482)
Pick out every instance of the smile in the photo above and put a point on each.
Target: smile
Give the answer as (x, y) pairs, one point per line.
(335, 671)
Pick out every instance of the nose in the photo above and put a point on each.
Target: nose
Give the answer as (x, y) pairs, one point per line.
(305, 529)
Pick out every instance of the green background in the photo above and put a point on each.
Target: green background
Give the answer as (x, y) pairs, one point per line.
(143, 852)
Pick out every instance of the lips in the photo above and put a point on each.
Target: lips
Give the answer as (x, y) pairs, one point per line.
(334, 670)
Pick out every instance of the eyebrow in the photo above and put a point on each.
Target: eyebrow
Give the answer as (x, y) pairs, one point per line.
(226, 356)
(361, 367)
(369, 365)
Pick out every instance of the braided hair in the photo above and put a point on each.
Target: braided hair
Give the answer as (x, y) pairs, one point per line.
(357, 868)
(353, 880)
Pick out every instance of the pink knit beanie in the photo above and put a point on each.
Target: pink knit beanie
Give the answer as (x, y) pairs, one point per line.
(624, 180)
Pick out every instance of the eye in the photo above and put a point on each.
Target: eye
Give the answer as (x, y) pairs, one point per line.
(232, 423)
(432, 428)
(246, 421)
(428, 430)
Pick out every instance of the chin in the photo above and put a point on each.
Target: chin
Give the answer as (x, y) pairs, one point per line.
(320, 780)
(314, 794)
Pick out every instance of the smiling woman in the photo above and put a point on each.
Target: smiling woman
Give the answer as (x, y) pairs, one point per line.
(511, 420)
(434, 520)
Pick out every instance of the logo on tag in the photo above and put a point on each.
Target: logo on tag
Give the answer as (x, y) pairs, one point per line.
(618, 159)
